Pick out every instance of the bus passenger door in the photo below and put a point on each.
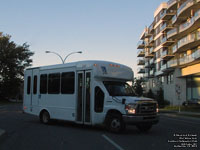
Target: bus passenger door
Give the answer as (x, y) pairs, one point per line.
(83, 112)
(35, 87)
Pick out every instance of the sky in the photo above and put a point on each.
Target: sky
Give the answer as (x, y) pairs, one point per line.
(102, 29)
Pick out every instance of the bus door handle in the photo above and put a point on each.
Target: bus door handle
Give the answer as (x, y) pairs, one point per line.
(39, 96)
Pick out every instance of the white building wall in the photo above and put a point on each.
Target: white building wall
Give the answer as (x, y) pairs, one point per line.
(170, 93)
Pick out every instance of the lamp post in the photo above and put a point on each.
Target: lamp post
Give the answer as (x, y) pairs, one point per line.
(63, 60)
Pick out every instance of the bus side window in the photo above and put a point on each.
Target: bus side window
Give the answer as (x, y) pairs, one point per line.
(67, 82)
(43, 83)
(28, 85)
(35, 85)
(54, 83)
(99, 99)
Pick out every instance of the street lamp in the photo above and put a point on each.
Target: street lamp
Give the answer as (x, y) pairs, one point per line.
(63, 60)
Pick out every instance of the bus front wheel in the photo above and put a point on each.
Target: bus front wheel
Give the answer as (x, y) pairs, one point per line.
(115, 123)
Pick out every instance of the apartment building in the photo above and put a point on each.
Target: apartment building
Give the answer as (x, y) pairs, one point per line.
(169, 51)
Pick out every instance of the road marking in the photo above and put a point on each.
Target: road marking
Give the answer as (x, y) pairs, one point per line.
(112, 142)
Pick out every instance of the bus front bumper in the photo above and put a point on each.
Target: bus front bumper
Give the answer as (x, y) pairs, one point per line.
(134, 119)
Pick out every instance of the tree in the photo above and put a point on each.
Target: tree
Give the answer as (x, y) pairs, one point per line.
(137, 86)
(13, 60)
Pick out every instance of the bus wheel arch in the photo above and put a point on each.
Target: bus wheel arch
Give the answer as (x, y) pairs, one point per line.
(44, 116)
(114, 121)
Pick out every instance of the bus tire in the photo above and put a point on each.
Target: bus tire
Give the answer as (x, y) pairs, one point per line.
(45, 117)
(115, 123)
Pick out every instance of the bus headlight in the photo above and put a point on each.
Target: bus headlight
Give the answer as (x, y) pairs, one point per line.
(131, 108)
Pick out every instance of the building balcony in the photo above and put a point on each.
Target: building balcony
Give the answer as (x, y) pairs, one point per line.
(195, 56)
(168, 15)
(149, 55)
(184, 9)
(140, 45)
(151, 28)
(140, 53)
(151, 39)
(141, 70)
(166, 27)
(148, 44)
(171, 4)
(151, 50)
(158, 73)
(190, 25)
(177, 20)
(172, 33)
(174, 48)
(148, 34)
(166, 55)
(163, 67)
(167, 42)
(140, 62)
(147, 64)
(172, 63)
(142, 36)
(188, 42)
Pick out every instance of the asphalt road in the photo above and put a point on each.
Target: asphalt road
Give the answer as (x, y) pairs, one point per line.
(25, 132)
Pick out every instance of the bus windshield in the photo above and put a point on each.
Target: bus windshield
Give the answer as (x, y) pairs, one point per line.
(118, 88)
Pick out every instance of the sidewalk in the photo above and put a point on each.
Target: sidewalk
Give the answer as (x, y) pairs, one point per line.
(181, 113)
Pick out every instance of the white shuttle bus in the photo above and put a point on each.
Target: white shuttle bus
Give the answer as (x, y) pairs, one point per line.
(87, 92)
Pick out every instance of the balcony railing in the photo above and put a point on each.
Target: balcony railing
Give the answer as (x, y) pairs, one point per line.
(151, 27)
(174, 18)
(166, 42)
(184, 6)
(141, 70)
(140, 62)
(174, 48)
(189, 23)
(190, 58)
(163, 67)
(140, 53)
(163, 13)
(151, 50)
(163, 27)
(171, 2)
(187, 39)
(172, 63)
(140, 45)
(151, 39)
(171, 32)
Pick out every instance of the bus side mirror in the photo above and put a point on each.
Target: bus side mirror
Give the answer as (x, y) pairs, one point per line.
(123, 101)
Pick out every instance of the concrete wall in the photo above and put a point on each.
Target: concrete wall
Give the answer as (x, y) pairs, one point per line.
(170, 93)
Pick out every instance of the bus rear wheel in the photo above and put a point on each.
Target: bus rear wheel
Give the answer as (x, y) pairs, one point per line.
(45, 117)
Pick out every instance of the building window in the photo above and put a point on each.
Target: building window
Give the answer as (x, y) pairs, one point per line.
(170, 78)
(193, 88)
(43, 83)
(67, 82)
(54, 83)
